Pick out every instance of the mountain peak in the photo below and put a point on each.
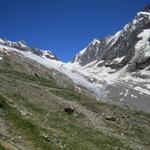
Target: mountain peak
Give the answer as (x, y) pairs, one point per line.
(22, 46)
(147, 8)
(95, 41)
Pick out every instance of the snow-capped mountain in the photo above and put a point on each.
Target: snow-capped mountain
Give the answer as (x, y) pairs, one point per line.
(121, 48)
(21, 45)
(121, 62)
(50, 61)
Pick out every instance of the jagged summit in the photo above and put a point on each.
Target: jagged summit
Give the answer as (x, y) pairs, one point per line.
(122, 44)
(21, 45)
(147, 8)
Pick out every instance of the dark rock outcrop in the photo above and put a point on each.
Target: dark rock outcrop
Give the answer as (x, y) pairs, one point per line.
(69, 109)
(147, 8)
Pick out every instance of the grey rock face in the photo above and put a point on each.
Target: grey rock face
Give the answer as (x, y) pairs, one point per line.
(147, 8)
(122, 44)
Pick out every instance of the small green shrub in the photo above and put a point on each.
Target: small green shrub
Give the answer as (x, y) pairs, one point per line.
(2, 147)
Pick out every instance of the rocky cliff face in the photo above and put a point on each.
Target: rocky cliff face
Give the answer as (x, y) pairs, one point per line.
(124, 45)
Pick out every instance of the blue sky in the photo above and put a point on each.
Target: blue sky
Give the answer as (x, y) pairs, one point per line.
(64, 26)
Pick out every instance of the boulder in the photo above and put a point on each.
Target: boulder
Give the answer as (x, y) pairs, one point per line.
(69, 109)
(110, 118)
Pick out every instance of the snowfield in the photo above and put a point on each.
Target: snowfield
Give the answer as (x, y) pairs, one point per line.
(103, 81)
(61, 67)
(143, 44)
(94, 78)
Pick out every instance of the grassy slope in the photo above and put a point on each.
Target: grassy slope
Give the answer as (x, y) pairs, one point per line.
(46, 126)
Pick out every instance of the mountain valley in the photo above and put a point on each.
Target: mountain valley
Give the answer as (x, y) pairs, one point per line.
(100, 100)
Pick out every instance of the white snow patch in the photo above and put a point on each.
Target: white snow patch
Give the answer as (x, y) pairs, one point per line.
(118, 59)
(91, 64)
(22, 44)
(121, 99)
(2, 41)
(143, 13)
(115, 38)
(82, 51)
(141, 93)
(145, 72)
(108, 39)
(148, 86)
(126, 92)
(95, 41)
(133, 96)
(130, 78)
(54, 73)
(135, 21)
(145, 91)
(101, 61)
(121, 93)
(100, 74)
(62, 67)
(47, 53)
(143, 44)
(126, 27)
